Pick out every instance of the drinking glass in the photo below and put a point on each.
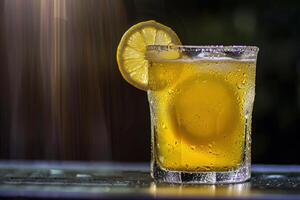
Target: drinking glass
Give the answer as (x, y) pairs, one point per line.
(201, 101)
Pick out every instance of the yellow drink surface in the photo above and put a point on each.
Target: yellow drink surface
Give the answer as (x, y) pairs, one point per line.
(198, 111)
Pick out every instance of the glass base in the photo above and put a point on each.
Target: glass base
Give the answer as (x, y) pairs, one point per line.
(161, 175)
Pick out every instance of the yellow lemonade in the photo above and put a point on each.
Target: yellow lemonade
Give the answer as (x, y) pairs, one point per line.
(200, 111)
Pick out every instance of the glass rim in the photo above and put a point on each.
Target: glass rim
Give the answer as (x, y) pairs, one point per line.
(206, 48)
(211, 52)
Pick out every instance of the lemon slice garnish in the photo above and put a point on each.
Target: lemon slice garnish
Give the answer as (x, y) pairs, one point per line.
(132, 48)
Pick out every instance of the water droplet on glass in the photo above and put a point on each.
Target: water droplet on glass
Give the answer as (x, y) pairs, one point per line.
(170, 92)
(247, 116)
(164, 126)
(161, 158)
(241, 84)
(210, 148)
(192, 147)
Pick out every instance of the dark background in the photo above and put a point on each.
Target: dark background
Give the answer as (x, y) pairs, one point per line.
(63, 98)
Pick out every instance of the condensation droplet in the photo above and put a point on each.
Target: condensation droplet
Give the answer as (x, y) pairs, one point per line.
(210, 148)
(170, 92)
(246, 116)
(161, 158)
(243, 82)
(241, 85)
